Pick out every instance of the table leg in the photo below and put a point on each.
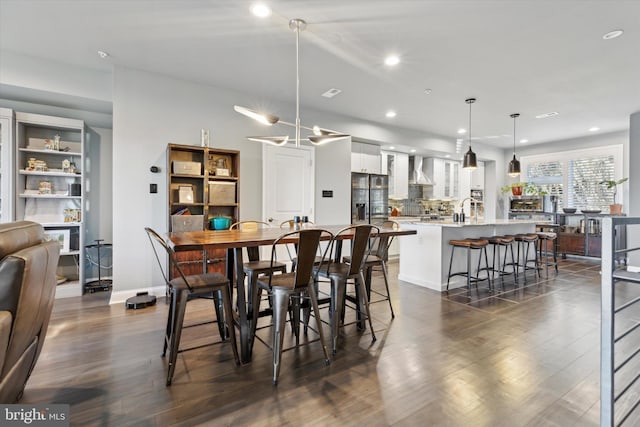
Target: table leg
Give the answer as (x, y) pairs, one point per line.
(241, 303)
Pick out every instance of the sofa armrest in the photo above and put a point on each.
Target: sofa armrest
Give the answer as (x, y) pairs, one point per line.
(5, 333)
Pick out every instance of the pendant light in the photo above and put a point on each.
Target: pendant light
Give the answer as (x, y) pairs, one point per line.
(469, 157)
(514, 164)
(319, 137)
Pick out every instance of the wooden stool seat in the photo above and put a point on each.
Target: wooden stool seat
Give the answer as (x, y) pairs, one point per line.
(470, 243)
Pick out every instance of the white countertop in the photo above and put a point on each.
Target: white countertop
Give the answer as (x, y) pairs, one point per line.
(472, 223)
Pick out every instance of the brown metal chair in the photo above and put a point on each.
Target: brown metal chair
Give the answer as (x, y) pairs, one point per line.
(256, 267)
(182, 288)
(288, 289)
(378, 258)
(340, 272)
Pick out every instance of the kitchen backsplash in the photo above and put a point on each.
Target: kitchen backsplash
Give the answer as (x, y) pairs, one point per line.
(408, 207)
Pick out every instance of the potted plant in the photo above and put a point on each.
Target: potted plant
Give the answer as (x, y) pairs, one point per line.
(614, 208)
(520, 188)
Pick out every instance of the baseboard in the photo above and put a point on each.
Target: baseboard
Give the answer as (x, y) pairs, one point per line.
(118, 297)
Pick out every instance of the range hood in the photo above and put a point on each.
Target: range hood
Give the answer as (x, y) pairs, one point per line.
(418, 175)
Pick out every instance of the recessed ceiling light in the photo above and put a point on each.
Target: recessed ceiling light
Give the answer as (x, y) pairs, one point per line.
(261, 10)
(102, 54)
(427, 91)
(392, 148)
(392, 60)
(524, 141)
(331, 93)
(413, 150)
(448, 156)
(612, 34)
(545, 115)
(461, 131)
(594, 129)
(390, 114)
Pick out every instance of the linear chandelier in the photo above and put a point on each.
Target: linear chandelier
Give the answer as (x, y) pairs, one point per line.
(320, 136)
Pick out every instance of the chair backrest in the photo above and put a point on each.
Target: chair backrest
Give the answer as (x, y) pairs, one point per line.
(158, 242)
(27, 291)
(360, 248)
(382, 244)
(307, 242)
(249, 225)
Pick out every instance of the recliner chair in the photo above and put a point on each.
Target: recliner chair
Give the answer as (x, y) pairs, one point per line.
(27, 291)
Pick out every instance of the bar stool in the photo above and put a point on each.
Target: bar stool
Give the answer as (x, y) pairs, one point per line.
(545, 239)
(469, 245)
(526, 241)
(497, 242)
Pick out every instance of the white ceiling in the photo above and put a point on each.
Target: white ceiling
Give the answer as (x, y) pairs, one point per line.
(530, 57)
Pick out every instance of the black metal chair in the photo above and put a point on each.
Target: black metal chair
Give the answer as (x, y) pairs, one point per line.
(286, 290)
(340, 272)
(182, 288)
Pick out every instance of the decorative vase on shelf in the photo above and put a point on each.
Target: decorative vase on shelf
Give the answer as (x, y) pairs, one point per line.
(615, 209)
(516, 191)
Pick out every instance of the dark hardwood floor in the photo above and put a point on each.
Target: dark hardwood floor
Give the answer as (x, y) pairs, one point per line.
(528, 356)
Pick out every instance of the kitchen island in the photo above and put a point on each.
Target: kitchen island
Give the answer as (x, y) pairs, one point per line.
(424, 257)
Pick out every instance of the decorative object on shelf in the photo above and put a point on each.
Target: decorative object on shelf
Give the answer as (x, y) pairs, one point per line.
(66, 165)
(72, 168)
(44, 187)
(514, 164)
(185, 194)
(187, 168)
(319, 137)
(220, 223)
(75, 189)
(72, 215)
(204, 137)
(469, 161)
(31, 164)
(220, 164)
(569, 210)
(614, 208)
(61, 236)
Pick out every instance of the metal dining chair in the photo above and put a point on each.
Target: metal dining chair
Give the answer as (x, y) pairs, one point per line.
(256, 267)
(287, 290)
(182, 289)
(339, 273)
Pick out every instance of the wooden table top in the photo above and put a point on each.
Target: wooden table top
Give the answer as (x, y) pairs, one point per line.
(225, 239)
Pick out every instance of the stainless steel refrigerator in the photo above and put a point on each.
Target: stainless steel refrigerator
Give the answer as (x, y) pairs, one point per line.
(369, 198)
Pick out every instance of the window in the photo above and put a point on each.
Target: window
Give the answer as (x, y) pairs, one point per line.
(573, 176)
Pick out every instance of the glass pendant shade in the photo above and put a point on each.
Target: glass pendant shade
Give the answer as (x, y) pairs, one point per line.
(470, 161)
(514, 167)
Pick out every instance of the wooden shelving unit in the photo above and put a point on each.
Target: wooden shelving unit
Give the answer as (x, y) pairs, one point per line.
(214, 178)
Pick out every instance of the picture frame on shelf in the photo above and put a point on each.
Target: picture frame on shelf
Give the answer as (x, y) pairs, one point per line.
(220, 164)
(60, 236)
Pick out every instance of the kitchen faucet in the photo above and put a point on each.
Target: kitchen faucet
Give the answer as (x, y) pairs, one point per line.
(472, 200)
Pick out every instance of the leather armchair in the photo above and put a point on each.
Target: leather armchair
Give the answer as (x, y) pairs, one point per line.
(27, 290)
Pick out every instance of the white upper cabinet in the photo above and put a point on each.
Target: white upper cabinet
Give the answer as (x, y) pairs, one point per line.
(397, 167)
(445, 175)
(365, 158)
(477, 177)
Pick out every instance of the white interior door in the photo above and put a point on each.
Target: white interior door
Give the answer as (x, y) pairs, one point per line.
(287, 187)
(287, 183)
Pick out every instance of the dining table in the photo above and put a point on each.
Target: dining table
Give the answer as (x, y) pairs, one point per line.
(234, 241)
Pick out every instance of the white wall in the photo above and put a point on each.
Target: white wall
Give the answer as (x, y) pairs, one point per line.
(333, 172)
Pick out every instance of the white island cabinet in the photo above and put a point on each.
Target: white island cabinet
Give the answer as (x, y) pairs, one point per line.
(424, 257)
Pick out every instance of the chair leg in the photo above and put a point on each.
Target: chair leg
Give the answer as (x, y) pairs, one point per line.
(453, 248)
(257, 294)
(280, 308)
(168, 332)
(365, 302)
(386, 285)
(337, 309)
(180, 304)
(294, 313)
(486, 263)
(228, 312)
(316, 312)
(217, 305)
(469, 270)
